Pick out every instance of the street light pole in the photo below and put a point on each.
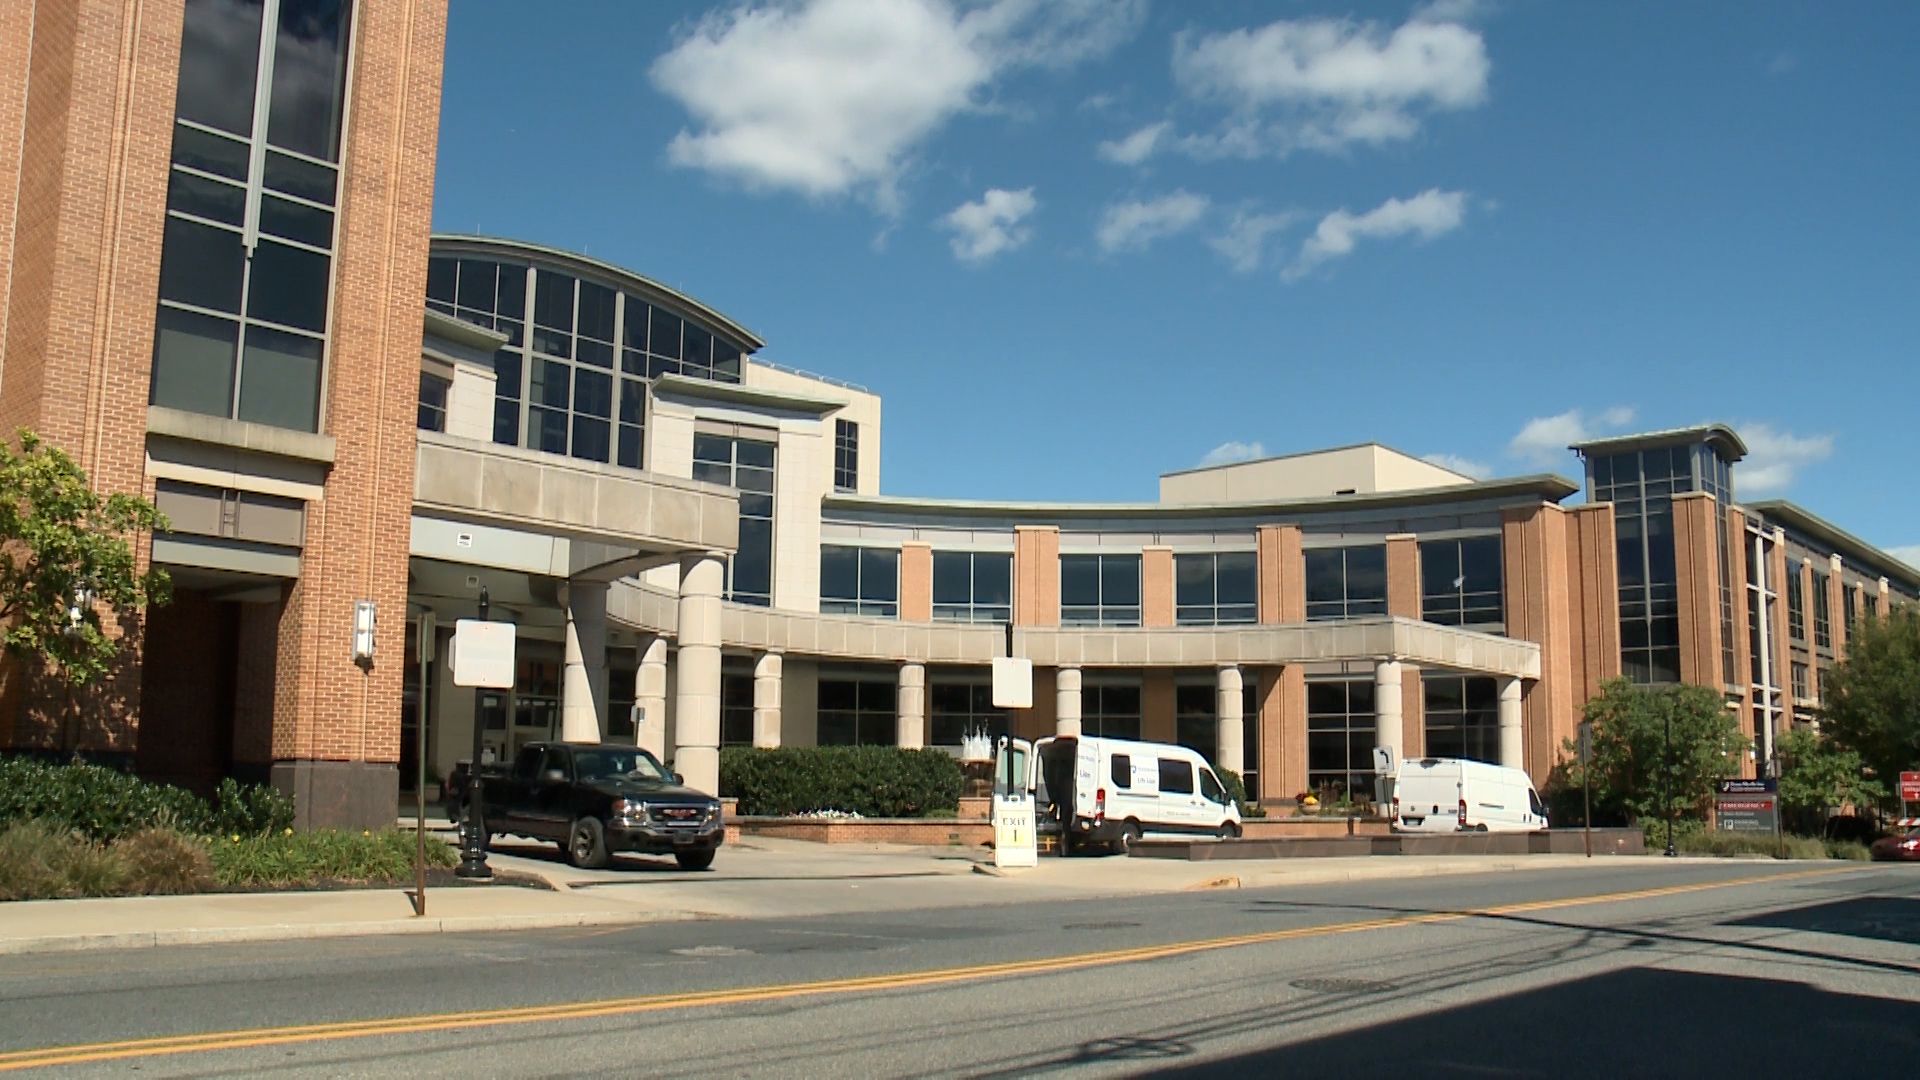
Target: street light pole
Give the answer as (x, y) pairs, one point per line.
(473, 855)
(1666, 785)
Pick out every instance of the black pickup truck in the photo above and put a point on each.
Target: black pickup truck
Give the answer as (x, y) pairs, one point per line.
(593, 799)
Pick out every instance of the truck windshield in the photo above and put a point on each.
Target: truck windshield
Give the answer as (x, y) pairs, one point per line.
(605, 762)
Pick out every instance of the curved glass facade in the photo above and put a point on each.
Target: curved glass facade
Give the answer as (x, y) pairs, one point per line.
(581, 350)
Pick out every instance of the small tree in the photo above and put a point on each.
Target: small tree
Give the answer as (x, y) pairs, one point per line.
(1870, 702)
(1817, 776)
(66, 555)
(1630, 749)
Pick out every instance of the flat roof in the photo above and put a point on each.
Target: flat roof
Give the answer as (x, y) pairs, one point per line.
(1799, 518)
(1311, 453)
(1543, 485)
(1729, 440)
(504, 247)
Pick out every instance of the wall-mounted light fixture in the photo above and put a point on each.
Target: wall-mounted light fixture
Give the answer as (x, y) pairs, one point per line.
(363, 623)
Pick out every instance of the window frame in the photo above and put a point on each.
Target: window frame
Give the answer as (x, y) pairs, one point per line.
(973, 611)
(1101, 613)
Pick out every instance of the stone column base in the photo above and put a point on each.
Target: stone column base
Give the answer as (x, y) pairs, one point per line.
(340, 794)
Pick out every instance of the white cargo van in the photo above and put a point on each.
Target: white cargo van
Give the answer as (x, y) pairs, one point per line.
(1445, 795)
(1114, 791)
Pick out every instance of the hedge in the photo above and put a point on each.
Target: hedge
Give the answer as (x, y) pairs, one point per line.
(871, 781)
(106, 804)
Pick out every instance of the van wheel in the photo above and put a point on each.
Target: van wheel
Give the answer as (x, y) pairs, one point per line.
(1227, 831)
(587, 844)
(1129, 836)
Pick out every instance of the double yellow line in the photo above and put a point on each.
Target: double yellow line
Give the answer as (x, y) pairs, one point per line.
(586, 1010)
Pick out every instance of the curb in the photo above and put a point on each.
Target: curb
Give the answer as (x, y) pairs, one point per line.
(151, 939)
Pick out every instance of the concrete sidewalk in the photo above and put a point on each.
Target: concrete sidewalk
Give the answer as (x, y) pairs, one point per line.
(755, 878)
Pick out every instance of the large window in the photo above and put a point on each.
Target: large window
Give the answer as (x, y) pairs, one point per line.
(1796, 607)
(846, 455)
(1822, 617)
(1111, 709)
(1463, 716)
(1346, 583)
(1849, 605)
(858, 710)
(1100, 590)
(860, 581)
(747, 466)
(1340, 730)
(433, 402)
(246, 259)
(736, 708)
(961, 704)
(1640, 484)
(972, 586)
(1215, 590)
(1460, 582)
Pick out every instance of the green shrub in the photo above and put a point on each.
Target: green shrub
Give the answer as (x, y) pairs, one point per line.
(1848, 849)
(1655, 831)
(99, 802)
(329, 855)
(45, 861)
(250, 809)
(1237, 791)
(1721, 842)
(161, 862)
(872, 781)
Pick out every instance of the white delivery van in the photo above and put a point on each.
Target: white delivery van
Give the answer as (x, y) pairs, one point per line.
(1445, 795)
(1090, 790)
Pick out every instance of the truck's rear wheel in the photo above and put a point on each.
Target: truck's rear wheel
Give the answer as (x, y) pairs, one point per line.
(587, 844)
(694, 860)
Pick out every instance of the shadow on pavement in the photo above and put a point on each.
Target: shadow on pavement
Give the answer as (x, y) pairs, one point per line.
(1876, 918)
(1635, 1022)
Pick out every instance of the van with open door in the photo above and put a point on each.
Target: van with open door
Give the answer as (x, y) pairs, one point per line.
(1092, 791)
(1449, 795)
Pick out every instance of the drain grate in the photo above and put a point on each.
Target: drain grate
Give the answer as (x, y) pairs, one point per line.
(1343, 986)
(1100, 925)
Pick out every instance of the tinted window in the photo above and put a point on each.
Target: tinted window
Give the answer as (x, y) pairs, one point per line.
(1122, 771)
(1176, 777)
(309, 78)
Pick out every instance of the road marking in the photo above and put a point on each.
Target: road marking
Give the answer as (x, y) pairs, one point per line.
(586, 1010)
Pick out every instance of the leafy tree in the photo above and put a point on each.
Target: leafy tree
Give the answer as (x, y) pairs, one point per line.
(1630, 750)
(67, 555)
(1871, 700)
(1817, 776)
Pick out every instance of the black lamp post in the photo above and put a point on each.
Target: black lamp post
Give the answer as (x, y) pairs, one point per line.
(473, 855)
(1666, 785)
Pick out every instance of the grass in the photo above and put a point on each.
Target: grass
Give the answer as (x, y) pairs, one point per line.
(42, 861)
(1721, 843)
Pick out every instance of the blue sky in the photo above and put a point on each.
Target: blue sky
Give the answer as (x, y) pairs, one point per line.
(1078, 243)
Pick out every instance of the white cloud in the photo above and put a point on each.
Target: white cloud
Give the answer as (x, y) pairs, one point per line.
(1464, 466)
(1429, 214)
(1137, 147)
(1228, 452)
(1135, 225)
(1325, 84)
(1906, 553)
(1244, 243)
(986, 228)
(1451, 11)
(830, 97)
(1782, 63)
(1543, 440)
(1774, 458)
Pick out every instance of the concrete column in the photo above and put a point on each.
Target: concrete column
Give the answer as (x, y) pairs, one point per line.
(911, 707)
(583, 682)
(650, 694)
(1512, 746)
(766, 700)
(1066, 701)
(1230, 735)
(1387, 704)
(696, 695)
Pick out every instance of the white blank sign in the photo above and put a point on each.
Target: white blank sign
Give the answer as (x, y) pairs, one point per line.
(1012, 682)
(483, 654)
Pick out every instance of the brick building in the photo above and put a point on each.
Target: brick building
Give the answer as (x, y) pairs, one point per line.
(218, 288)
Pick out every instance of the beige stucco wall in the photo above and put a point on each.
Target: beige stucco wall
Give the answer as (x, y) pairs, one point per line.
(1361, 470)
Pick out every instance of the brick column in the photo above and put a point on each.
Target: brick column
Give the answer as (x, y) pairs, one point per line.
(1696, 542)
(1534, 554)
(1403, 599)
(1283, 700)
(1156, 586)
(1036, 575)
(916, 582)
(766, 700)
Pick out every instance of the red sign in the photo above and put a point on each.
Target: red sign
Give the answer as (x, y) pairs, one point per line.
(1910, 787)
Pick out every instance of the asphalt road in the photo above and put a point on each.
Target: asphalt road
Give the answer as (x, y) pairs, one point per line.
(1648, 969)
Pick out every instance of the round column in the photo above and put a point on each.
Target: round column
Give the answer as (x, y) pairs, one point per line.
(696, 696)
(766, 700)
(650, 695)
(1513, 748)
(1387, 728)
(911, 706)
(583, 680)
(1066, 702)
(1230, 732)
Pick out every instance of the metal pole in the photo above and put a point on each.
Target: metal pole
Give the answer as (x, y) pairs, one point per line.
(1586, 787)
(425, 654)
(1666, 785)
(473, 856)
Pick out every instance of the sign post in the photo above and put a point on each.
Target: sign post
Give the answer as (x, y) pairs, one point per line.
(483, 659)
(1909, 796)
(426, 633)
(1586, 786)
(1747, 806)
